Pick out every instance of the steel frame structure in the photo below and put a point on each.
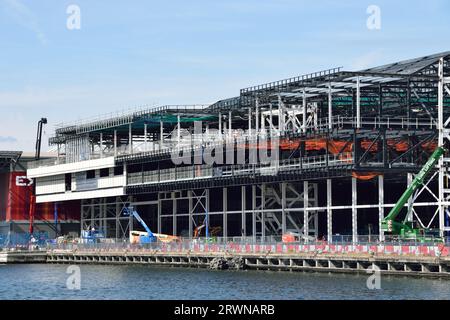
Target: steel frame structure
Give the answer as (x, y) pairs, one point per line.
(381, 124)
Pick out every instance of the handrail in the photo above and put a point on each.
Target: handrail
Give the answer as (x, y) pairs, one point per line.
(208, 171)
(308, 76)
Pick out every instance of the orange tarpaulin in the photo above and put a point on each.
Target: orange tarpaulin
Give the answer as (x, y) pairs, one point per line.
(364, 176)
(334, 146)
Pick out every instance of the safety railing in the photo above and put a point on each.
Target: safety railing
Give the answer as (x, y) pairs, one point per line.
(380, 122)
(208, 171)
(239, 245)
(292, 80)
(128, 114)
(13, 241)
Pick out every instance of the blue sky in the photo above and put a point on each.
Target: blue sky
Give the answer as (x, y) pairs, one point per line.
(132, 53)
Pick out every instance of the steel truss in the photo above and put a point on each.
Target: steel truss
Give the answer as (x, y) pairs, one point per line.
(383, 121)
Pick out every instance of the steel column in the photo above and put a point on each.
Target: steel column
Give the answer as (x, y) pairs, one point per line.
(380, 205)
(354, 211)
(225, 212)
(358, 102)
(329, 212)
(283, 207)
(306, 212)
(330, 107)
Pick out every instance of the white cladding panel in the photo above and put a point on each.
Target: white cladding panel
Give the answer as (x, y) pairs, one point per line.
(71, 167)
(83, 184)
(48, 185)
(111, 192)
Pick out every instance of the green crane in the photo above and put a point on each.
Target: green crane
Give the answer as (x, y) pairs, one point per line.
(406, 230)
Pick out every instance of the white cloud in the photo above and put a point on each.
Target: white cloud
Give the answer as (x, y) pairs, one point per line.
(25, 17)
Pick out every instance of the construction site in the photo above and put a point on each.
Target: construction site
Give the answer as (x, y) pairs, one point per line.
(324, 156)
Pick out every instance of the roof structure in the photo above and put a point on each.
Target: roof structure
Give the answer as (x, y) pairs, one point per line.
(411, 66)
(419, 73)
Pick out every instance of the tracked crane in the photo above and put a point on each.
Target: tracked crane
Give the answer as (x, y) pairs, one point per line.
(405, 230)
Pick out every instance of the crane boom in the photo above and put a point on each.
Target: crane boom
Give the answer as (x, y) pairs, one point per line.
(130, 210)
(389, 224)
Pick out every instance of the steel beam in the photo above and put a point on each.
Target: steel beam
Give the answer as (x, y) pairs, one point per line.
(380, 205)
(243, 220)
(330, 107)
(358, 102)
(329, 212)
(283, 207)
(441, 131)
(306, 212)
(354, 210)
(225, 212)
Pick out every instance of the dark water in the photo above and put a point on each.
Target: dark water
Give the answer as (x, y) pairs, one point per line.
(146, 282)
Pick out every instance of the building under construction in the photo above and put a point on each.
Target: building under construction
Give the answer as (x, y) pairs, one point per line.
(324, 155)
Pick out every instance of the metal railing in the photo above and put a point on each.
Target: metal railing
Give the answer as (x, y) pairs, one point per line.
(208, 171)
(13, 241)
(258, 245)
(126, 115)
(292, 80)
(380, 122)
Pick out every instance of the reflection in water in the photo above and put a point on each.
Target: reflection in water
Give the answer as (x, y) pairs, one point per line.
(146, 282)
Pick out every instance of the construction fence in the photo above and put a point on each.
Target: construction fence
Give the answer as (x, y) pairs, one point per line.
(201, 247)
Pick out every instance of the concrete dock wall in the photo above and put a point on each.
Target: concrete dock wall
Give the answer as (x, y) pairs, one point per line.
(23, 257)
(420, 260)
(395, 265)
